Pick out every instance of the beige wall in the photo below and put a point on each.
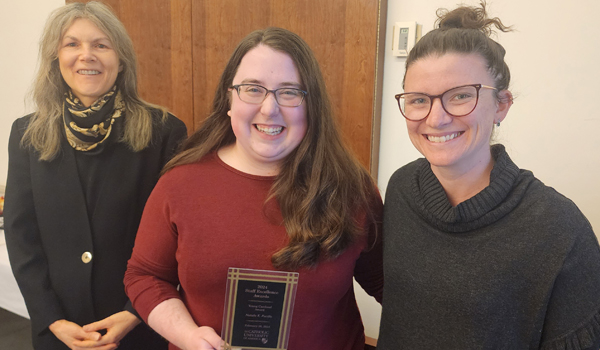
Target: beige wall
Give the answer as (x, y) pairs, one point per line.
(551, 129)
(21, 23)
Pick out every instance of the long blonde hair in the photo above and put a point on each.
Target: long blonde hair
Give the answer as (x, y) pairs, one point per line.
(44, 132)
(321, 186)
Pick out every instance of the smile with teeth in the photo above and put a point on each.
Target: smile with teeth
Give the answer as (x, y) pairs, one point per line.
(440, 139)
(269, 130)
(88, 72)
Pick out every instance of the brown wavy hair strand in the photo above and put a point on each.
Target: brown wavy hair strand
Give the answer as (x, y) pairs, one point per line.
(321, 186)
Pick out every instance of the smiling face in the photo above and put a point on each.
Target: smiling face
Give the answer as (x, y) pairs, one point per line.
(87, 61)
(456, 144)
(265, 133)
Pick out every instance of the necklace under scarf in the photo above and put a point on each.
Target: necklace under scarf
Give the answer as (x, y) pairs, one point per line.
(88, 127)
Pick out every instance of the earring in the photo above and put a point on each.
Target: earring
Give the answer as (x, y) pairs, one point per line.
(497, 124)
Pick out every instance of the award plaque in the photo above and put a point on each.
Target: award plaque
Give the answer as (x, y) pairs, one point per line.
(258, 309)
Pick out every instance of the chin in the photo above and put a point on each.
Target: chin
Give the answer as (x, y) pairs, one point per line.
(440, 160)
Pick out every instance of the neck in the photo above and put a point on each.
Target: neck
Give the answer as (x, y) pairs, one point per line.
(86, 101)
(461, 185)
(230, 155)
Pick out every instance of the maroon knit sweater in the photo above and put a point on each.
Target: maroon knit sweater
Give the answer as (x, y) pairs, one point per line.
(205, 217)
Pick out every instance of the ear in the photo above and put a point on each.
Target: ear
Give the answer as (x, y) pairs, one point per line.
(505, 101)
(120, 67)
(229, 100)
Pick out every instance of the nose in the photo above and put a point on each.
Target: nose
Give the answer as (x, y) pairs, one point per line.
(438, 116)
(269, 107)
(87, 53)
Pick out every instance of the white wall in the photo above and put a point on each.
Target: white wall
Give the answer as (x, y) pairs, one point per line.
(551, 129)
(21, 23)
(553, 56)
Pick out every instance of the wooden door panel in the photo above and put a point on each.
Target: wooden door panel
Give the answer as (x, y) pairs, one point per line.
(342, 33)
(359, 107)
(182, 103)
(217, 27)
(183, 46)
(161, 34)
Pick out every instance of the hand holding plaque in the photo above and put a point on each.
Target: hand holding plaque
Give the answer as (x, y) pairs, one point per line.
(258, 309)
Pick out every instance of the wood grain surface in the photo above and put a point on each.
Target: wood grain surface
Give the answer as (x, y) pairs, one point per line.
(182, 47)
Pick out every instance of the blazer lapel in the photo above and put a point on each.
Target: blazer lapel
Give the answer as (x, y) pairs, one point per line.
(63, 201)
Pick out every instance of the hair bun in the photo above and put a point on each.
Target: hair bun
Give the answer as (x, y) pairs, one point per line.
(469, 17)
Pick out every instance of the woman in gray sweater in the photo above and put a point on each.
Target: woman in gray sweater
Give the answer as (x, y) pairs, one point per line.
(479, 254)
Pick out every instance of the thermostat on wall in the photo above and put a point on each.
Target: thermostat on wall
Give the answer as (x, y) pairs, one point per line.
(403, 38)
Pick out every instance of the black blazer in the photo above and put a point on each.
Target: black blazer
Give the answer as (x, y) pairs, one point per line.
(69, 264)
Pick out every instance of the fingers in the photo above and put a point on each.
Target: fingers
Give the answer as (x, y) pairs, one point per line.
(96, 326)
(117, 326)
(80, 334)
(93, 345)
(109, 339)
(91, 336)
(86, 338)
(211, 337)
(107, 347)
(203, 338)
(86, 344)
(69, 332)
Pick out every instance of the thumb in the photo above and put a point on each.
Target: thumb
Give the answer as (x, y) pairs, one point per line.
(214, 340)
(86, 335)
(96, 326)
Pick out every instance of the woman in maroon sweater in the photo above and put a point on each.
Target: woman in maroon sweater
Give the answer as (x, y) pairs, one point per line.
(266, 183)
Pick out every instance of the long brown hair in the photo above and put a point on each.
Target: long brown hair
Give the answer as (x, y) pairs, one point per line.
(321, 187)
(45, 129)
(466, 30)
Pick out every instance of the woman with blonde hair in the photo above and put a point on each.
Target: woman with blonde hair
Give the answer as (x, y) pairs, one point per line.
(479, 254)
(267, 184)
(80, 170)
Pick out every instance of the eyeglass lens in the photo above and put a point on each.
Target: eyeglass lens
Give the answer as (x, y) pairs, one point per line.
(256, 94)
(458, 102)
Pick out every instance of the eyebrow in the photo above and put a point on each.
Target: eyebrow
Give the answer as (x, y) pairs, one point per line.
(71, 37)
(283, 84)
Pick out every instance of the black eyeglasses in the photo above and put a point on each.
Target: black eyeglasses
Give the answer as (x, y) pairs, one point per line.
(256, 94)
(457, 102)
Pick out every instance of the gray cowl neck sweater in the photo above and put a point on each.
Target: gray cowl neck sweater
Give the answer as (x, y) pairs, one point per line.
(517, 266)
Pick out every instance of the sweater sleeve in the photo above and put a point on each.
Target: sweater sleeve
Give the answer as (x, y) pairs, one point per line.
(152, 275)
(368, 271)
(573, 314)
(25, 248)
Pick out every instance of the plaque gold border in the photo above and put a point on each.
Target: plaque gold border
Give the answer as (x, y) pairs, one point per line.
(290, 279)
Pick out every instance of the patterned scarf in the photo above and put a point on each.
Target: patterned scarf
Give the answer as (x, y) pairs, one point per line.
(89, 127)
